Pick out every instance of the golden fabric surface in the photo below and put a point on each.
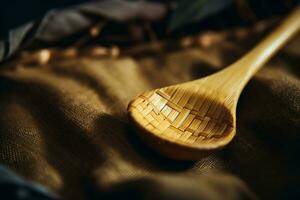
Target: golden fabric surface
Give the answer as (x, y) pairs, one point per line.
(65, 126)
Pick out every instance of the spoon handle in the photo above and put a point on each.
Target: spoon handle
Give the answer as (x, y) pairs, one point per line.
(240, 72)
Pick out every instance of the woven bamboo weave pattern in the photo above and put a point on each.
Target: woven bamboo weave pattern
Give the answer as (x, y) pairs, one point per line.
(178, 114)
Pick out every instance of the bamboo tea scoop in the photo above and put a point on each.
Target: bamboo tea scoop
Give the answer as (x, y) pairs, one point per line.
(186, 121)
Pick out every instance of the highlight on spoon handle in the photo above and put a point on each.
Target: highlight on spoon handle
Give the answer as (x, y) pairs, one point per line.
(242, 70)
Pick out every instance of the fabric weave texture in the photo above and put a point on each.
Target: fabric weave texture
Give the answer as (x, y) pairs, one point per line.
(65, 126)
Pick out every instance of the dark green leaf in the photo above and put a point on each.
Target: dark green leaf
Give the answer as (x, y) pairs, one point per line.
(188, 11)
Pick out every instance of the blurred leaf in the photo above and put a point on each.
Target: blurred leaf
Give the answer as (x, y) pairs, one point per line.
(124, 10)
(58, 24)
(188, 11)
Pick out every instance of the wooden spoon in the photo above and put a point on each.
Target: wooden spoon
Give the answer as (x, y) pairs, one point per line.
(186, 121)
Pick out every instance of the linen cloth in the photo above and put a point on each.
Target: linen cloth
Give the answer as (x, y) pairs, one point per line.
(64, 125)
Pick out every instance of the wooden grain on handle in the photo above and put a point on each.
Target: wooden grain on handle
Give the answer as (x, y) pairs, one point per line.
(240, 72)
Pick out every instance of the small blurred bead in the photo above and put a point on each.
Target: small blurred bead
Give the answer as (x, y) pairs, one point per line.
(43, 56)
(97, 51)
(210, 38)
(69, 53)
(115, 51)
(94, 31)
(205, 40)
(186, 42)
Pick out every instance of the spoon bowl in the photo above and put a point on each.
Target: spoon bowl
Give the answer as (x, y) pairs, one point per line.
(193, 117)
